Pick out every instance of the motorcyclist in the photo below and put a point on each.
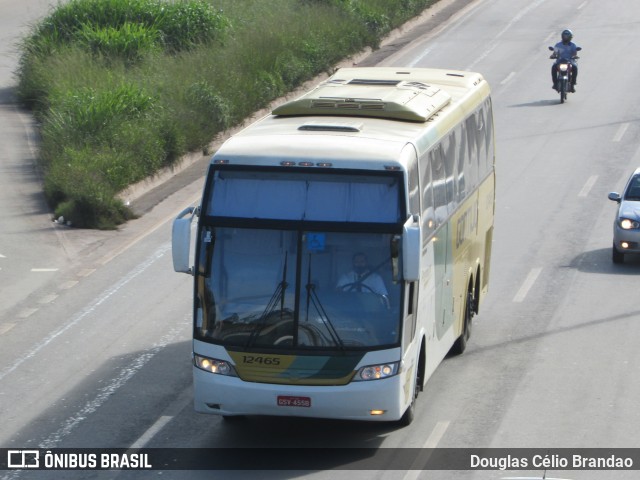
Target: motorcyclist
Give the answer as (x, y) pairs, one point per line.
(565, 50)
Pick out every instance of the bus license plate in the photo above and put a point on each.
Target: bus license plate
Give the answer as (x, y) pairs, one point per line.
(287, 401)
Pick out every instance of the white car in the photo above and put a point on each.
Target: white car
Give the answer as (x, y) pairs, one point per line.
(626, 226)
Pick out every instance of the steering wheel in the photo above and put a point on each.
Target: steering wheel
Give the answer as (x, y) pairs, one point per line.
(351, 287)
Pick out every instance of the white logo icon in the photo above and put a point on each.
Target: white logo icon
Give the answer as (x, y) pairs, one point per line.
(23, 458)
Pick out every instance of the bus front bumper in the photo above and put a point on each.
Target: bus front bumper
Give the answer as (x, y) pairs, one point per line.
(376, 400)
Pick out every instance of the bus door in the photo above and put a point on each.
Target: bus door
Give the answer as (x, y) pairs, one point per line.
(442, 243)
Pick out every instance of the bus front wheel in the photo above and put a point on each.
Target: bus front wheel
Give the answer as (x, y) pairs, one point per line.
(410, 412)
(461, 343)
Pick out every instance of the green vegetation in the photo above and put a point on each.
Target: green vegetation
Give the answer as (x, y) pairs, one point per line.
(123, 88)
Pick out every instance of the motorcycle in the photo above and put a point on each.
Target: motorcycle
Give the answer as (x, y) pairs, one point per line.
(564, 67)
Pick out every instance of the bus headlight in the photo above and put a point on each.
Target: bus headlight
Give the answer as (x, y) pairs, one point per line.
(628, 224)
(211, 365)
(376, 372)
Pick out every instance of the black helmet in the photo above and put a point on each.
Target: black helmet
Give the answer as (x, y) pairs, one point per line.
(567, 35)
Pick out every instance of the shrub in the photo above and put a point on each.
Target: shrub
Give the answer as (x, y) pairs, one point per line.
(129, 42)
(81, 192)
(204, 98)
(125, 87)
(89, 111)
(187, 24)
(181, 25)
(292, 68)
(205, 113)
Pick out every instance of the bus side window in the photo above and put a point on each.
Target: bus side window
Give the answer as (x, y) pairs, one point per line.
(472, 145)
(449, 157)
(464, 180)
(488, 116)
(439, 179)
(428, 212)
(481, 140)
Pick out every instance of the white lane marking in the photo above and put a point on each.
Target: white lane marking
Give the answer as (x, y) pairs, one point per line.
(583, 4)
(508, 79)
(184, 399)
(86, 272)
(432, 442)
(436, 435)
(412, 474)
(496, 41)
(452, 23)
(5, 327)
(419, 58)
(620, 133)
(588, 186)
(135, 272)
(26, 313)
(528, 283)
(48, 298)
(106, 392)
(2, 256)
(68, 285)
(41, 270)
(151, 432)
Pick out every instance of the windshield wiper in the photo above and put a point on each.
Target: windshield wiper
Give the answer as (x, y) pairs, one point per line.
(278, 294)
(312, 297)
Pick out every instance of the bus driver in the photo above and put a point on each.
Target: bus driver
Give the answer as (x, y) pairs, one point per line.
(361, 278)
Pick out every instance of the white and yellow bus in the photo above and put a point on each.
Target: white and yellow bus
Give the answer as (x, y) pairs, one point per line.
(343, 246)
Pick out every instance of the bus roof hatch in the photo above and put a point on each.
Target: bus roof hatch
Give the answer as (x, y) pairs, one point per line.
(392, 99)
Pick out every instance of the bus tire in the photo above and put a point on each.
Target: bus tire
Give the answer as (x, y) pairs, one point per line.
(460, 345)
(410, 412)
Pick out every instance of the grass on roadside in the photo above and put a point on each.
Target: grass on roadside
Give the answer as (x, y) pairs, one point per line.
(123, 88)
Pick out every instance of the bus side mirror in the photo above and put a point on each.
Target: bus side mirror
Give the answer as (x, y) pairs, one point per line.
(181, 240)
(411, 249)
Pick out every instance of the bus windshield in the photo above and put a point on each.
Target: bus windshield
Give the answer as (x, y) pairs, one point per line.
(297, 289)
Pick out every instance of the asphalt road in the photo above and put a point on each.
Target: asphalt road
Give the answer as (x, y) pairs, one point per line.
(31, 250)
(103, 359)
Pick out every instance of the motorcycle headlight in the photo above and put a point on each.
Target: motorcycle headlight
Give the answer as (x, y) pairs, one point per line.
(211, 365)
(377, 372)
(563, 67)
(628, 224)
